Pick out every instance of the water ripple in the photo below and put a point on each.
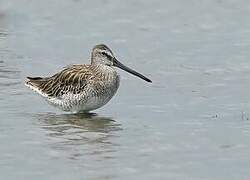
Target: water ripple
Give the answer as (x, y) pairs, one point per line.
(9, 76)
(80, 134)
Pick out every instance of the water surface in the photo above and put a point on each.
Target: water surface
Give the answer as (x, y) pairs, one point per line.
(192, 122)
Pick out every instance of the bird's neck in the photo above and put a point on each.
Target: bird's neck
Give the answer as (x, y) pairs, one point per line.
(103, 68)
(107, 73)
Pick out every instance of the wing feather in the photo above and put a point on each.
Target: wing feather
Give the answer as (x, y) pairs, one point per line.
(72, 80)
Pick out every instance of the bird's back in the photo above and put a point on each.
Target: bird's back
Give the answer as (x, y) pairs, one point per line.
(78, 87)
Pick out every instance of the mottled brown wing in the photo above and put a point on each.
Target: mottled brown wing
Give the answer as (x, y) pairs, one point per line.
(70, 80)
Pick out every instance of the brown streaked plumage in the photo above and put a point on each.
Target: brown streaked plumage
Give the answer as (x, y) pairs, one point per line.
(82, 88)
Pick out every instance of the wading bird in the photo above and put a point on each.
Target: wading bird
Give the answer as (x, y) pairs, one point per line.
(83, 88)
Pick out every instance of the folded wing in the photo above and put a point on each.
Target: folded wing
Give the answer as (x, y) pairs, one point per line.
(71, 80)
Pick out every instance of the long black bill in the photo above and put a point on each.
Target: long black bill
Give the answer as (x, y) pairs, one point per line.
(125, 68)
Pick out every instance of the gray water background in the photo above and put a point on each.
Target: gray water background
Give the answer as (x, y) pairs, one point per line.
(191, 123)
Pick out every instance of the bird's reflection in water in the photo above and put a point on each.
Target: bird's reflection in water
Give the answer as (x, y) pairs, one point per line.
(80, 134)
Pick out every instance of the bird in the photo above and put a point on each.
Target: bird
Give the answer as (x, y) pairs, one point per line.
(82, 88)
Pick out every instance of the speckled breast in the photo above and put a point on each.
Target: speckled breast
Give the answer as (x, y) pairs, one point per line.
(100, 94)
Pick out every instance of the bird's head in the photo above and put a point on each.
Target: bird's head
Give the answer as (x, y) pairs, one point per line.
(101, 54)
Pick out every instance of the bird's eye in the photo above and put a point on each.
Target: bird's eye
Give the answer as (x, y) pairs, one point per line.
(103, 53)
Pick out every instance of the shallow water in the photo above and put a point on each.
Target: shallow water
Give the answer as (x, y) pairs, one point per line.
(191, 123)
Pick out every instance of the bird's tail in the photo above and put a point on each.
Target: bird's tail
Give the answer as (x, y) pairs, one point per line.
(35, 83)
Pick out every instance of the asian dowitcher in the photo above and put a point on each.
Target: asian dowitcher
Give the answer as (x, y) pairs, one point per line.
(82, 88)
